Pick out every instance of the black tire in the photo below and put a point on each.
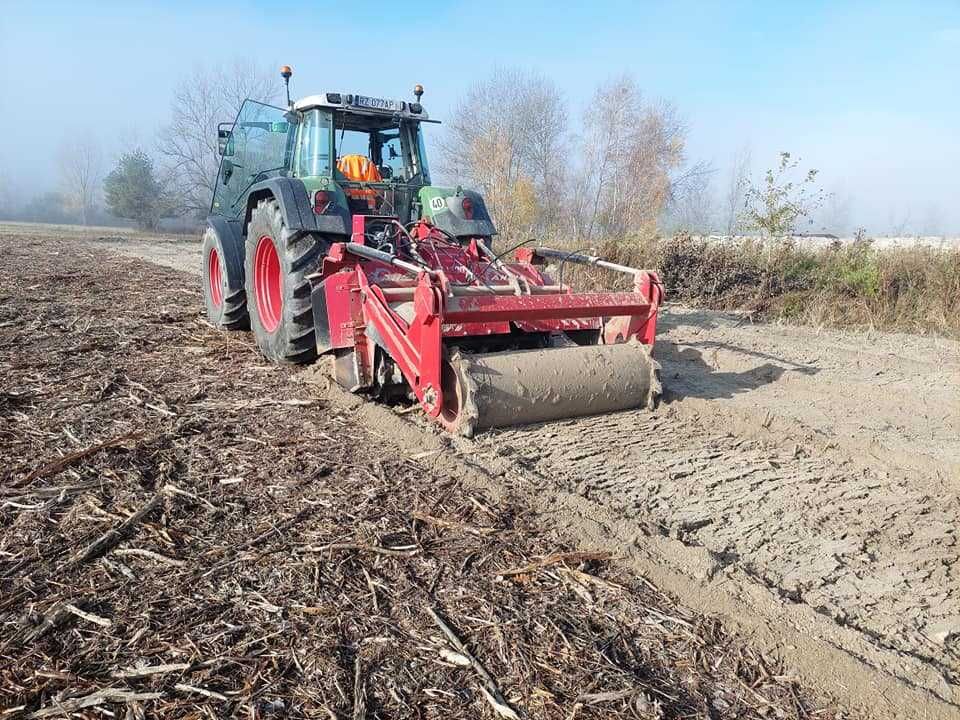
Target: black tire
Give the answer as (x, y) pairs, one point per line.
(224, 293)
(284, 334)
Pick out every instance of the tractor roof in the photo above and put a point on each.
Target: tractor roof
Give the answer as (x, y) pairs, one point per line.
(365, 105)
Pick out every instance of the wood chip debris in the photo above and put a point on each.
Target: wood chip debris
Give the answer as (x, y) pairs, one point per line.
(249, 551)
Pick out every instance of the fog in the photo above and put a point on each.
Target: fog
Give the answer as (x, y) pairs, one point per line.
(866, 93)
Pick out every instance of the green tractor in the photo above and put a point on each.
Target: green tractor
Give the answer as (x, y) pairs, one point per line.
(326, 237)
(300, 175)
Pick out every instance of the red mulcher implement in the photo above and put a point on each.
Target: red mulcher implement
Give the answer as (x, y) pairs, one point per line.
(482, 343)
(325, 252)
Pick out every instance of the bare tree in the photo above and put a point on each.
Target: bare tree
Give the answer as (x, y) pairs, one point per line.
(188, 144)
(507, 137)
(692, 208)
(834, 216)
(736, 191)
(631, 163)
(80, 161)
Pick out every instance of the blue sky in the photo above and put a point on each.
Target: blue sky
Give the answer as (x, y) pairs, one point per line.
(868, 92)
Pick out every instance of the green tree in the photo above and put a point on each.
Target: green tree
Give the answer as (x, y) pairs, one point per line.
(777, 206)
(132, 190)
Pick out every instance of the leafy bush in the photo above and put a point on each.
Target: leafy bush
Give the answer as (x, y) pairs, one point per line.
(776, 207)
(132, 191)
(852, 271)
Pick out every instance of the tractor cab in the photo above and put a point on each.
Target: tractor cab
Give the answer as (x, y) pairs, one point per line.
(372, 150)
(347, 155)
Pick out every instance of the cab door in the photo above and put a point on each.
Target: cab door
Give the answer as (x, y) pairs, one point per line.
(259, 147)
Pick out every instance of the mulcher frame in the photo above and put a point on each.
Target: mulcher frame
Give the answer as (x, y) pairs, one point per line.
(357, 294)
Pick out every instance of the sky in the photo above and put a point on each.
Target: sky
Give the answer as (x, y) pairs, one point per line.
(866, 92)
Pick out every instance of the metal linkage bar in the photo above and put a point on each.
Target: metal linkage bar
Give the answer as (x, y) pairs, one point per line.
(371, 254)
(396, 294)
(563, 256)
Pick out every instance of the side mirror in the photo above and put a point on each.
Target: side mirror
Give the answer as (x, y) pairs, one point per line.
(225, 139)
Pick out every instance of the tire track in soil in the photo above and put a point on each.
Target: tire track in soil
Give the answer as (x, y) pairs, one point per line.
(854, 544)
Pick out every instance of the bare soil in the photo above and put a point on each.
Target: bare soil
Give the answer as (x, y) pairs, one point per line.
(188, 532)
(825, 464)
(821, 466)
(801, 486)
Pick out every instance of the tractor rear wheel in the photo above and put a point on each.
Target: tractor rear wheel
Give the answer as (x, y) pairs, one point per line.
(223, 289)
(278, 262)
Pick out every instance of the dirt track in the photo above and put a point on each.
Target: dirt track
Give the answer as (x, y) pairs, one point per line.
(801, 485)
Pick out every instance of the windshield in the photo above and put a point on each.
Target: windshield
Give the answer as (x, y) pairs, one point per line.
(378, 149)
(422, 154)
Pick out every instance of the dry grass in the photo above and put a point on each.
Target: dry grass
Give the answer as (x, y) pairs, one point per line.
(908, 289)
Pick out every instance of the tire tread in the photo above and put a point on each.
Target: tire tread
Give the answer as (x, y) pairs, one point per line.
(232, 314)
(301, 253)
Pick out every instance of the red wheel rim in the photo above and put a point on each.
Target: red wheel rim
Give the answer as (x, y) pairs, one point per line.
(266, 283)
(215, 278)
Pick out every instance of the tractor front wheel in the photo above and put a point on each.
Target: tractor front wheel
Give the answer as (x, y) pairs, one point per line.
(278, 262)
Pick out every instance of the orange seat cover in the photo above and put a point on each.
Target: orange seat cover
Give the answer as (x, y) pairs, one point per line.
(359, 168)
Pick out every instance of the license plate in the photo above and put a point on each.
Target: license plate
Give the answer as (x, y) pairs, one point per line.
(374, 103)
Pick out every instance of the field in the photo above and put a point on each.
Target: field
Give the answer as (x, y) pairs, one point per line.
(190, 532)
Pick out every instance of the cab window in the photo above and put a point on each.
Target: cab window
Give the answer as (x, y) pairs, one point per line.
(313, 150)
(257, 148)
(422, 155)
(391, 154)
(390, 144)
(352, 142)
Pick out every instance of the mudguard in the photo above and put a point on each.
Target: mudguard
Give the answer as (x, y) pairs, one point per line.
(297, 208)
(444, 208)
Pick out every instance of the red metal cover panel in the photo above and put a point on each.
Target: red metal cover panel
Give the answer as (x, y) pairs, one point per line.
(544, 307)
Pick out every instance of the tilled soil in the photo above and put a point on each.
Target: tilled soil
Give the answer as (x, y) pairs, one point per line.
(188, 532)
(870, 551)
(822, 465)
(890, 399)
